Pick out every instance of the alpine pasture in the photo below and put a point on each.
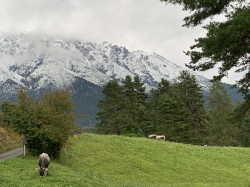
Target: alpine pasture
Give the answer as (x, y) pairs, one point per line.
(109, 160)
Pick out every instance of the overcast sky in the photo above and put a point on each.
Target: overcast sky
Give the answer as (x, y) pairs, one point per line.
(148, 25)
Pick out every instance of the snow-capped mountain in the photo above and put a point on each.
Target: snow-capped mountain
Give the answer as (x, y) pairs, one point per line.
(35, 62)
(42, 63)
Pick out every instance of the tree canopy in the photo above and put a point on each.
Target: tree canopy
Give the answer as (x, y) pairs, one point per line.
(226, 43)
(203, 9)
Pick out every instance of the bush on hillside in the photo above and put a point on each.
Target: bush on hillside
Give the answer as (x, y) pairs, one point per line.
(46, 123)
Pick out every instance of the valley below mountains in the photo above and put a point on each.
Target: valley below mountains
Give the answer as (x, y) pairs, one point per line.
(43, 63)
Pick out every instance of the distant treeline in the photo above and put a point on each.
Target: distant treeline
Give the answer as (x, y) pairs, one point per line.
(176, 110)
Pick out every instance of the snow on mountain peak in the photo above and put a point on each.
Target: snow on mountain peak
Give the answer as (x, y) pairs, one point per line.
(38, 61)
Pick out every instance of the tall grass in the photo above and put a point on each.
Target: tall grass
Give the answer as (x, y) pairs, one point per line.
(101, 160)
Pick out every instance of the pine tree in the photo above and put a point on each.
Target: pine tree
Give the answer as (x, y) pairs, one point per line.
(244, 130)
(113, 119)
(168, 113)
(128, 88)
(152, 112)
(135, 96)
(139, 89)
(130, 97)
(191, 94)
(222, 130)
(173, 119)
(134, 91)
(164, 87)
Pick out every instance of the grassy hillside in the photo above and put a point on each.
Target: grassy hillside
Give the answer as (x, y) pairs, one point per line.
(99, 160)
(8, 139)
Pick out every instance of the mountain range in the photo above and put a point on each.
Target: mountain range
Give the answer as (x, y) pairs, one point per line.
(42, 63)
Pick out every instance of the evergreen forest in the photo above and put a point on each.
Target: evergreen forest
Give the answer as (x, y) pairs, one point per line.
(177, 110)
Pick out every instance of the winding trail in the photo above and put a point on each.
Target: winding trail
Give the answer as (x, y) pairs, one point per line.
(11, 154)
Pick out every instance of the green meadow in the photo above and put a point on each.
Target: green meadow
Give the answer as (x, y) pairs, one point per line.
(106, 160)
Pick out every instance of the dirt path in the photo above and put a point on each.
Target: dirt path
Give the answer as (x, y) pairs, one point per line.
(11, 154)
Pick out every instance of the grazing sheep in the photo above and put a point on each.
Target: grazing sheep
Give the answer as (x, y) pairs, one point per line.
(43, 162)
(160, 137)
(152, 136)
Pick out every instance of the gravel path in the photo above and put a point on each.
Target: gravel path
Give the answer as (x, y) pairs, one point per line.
(11, 154)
